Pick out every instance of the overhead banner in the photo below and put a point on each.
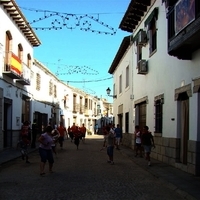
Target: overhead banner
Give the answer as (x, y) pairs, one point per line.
(16, 65)
(184, 14)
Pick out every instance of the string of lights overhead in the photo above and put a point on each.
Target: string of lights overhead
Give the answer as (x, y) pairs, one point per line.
(85, 70)
(70, 21)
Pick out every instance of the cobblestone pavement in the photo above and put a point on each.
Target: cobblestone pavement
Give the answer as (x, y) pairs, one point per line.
(82, 174)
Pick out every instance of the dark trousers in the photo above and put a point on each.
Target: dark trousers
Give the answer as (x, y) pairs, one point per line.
(33, 140)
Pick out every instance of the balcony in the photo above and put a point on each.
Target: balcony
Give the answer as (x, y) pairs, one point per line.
(183, 29)
(76, 107)
(26, 75)
(82, 109)
(12, 66)
(15, 69)
(87, 112)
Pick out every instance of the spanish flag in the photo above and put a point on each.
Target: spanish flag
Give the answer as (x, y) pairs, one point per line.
(16, 65)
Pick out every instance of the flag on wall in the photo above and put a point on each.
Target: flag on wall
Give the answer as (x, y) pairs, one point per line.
(16, 65)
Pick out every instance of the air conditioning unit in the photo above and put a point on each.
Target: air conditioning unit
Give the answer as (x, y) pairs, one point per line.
(142, 67)
(142, 37)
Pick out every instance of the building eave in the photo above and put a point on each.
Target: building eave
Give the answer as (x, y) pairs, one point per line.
(134, 14)
(120, 53)
(13, 10)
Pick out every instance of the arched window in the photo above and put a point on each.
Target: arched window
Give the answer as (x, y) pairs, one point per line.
(29, 60)
(8, 47)
(20, 52)
(38, 81)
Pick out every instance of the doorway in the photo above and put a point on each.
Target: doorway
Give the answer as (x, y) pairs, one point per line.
(183, 113)
(7, 125)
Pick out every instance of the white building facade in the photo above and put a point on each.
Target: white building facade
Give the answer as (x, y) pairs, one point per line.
(16, 56)
(164, 89)
(28, 89)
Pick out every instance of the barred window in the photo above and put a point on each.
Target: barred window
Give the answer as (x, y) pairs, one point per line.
(127, 76)
(158, 116)
(50, 88)
(38, 82)
(120, 84)
(55, 91)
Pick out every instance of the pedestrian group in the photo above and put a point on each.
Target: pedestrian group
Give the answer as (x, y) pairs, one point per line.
(52, 136)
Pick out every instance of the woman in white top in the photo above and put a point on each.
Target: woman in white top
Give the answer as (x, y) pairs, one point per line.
(138, 141)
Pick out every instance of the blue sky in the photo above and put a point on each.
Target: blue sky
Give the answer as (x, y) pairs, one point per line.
(73, 54)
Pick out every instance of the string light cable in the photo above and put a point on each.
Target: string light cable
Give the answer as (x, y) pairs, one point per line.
(87, 81)
(62, 20)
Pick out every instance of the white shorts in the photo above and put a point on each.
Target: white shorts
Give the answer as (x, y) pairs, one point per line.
(117, 140)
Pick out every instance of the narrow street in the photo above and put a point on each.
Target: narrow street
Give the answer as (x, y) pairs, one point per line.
(81, 174)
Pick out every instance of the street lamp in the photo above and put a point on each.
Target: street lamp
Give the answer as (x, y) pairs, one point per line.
(108, 93)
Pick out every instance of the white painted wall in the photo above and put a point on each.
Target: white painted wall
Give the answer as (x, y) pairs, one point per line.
(6, 24)
(165, 74)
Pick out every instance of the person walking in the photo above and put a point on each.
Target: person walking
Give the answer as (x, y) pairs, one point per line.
(83, 132)
(148, 143)
(73, 131)
(118, 136)
(34, 133)
(23, 144)
(96, 128)
(62, 131)
(55, 136)
(138, 141)
(25, 130)
(77, 136)
(45, 150)
(109, 141)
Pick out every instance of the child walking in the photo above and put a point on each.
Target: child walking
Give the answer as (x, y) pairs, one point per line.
(23, 144)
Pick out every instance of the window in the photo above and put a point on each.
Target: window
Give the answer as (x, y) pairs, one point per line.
(38, 81)
(139, 53)
(20, 52)
(127, 76)
(127, 122)
(86, 103)
(8, 47)
(50, 88)
(74, 103)
(158, 115)
(81, 105)
(152, 36)
(29, 60)
(55, 91)
(150, 23)
(120, 84)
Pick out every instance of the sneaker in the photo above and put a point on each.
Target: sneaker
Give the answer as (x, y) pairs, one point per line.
(108, 161)
(149, 163)
(112, 163)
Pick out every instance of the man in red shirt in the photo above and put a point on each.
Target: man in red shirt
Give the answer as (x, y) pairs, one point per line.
(83, 131)
(62, 131)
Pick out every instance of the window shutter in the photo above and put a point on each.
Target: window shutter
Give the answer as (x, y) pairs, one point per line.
(150, 40)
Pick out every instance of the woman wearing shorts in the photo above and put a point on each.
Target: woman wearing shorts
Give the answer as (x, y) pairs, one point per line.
(45, 150)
